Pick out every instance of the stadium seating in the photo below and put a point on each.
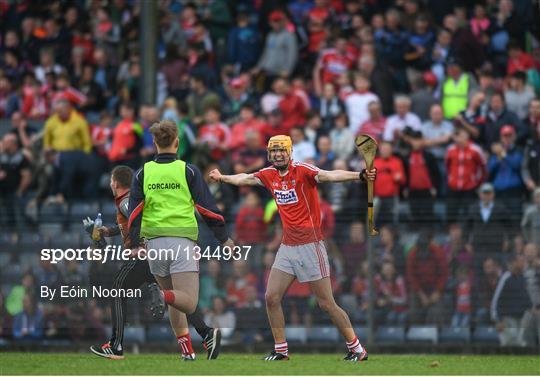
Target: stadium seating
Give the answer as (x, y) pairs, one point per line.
(323, 334)
(485, 335)
(422, 334)
(390, 335)
(296, 334)
(453, 335)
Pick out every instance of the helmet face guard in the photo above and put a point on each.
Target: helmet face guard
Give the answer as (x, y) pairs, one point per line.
(280, 143)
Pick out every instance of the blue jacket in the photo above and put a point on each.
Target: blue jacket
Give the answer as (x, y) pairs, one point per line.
(505, 174)
(243, 46)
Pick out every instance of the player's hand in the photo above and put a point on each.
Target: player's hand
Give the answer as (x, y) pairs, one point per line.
(138, 252)
(215, 175)
(229, 243)
(371, 174)
(104, 231)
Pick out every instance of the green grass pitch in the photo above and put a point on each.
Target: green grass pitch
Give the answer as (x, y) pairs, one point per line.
(249, 364)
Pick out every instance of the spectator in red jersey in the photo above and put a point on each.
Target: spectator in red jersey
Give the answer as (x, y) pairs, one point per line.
(64, 90)
(34, 104)
(249, 227)
(463, 308)
(427, 273)
(238, 283)
(423, 178)
(292, 107)
(390, 178)
(332, 63)
(374, 126)
(391, 295)
(126, 139)
(101, 135)
(466, 168)
(215, 134)
(518, 60)
(248, 122)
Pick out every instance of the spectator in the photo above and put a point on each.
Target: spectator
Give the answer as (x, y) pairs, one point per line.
(423, 95)
(200, 100)
(510, 303)
(427, 273)
(504, 168)
(456, 89)
(290, 104)
(221, 317)
(6, 321)
(26, 134)
(215, 134)
(391, 295)
(330, 107)
(28, 324)
(357, 102)
(238, 283)
(390, 178)
(34, 103)
(252, 156)
(376, 124)
(437, 133)
(126, 139)
(401, 119)
(342, 138)
(8, 98)
(463, 307)
(15, 179)
(324, 158)
(440, 53)
(380, 80)
(498, 117)
(212, 285)
(243, 43)
(531, 321)
(473, 119)
(518, 60)
(480, 22)
(331, 63)
(485, 286)
(518, 96)
(466, 167)
(533, 117)
(423, 177)
(177, 112)
(280, 52)
(251, 318)
(47, 65)
(247, 122)
(250, 228)
(90, 89)
(353, 249)
(530, 223)
(458, 254)
(488, 226)
(302, 149)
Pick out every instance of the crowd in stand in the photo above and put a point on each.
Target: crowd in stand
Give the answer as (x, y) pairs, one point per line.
(450, 89)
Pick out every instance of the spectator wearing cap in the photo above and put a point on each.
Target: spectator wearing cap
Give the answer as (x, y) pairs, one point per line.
(499, 116)
(530, 222)
(466, 168)
(403, 117)
(518, 96)
(423, 178)
(243, 43)
(488, 224)
(235, 94)
(423, 96)
(456, 88)
(280, 52)
(504, 166)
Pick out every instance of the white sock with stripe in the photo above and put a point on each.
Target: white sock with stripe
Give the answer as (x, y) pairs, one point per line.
(282, 348)
(355, 346)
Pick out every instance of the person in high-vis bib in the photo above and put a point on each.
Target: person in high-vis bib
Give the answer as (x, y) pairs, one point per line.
(456, 89)
(165, 195)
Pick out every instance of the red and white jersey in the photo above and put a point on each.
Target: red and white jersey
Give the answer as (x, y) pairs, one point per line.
(334, 64)
(297, 201)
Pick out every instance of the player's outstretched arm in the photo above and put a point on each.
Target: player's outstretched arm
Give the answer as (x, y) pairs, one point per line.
(241, 179)
(346, 176)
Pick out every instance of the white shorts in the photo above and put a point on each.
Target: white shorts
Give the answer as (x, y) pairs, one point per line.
(308, 262)
(181, 259)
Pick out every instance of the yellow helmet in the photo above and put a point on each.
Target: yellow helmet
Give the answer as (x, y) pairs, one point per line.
(280, 142)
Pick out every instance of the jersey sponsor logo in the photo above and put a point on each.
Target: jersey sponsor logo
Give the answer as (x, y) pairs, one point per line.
(284, 197)
(164, 186)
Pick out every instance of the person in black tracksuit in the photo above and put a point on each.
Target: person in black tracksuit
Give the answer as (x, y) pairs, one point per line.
(134, 273)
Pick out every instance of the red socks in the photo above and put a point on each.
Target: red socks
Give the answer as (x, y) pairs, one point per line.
(184, 342)
(168, 297)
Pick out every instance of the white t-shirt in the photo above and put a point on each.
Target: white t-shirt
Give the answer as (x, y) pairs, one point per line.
(357, 109)
(395, 122)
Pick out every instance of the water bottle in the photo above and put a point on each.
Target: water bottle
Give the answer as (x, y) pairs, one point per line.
(96, 235)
